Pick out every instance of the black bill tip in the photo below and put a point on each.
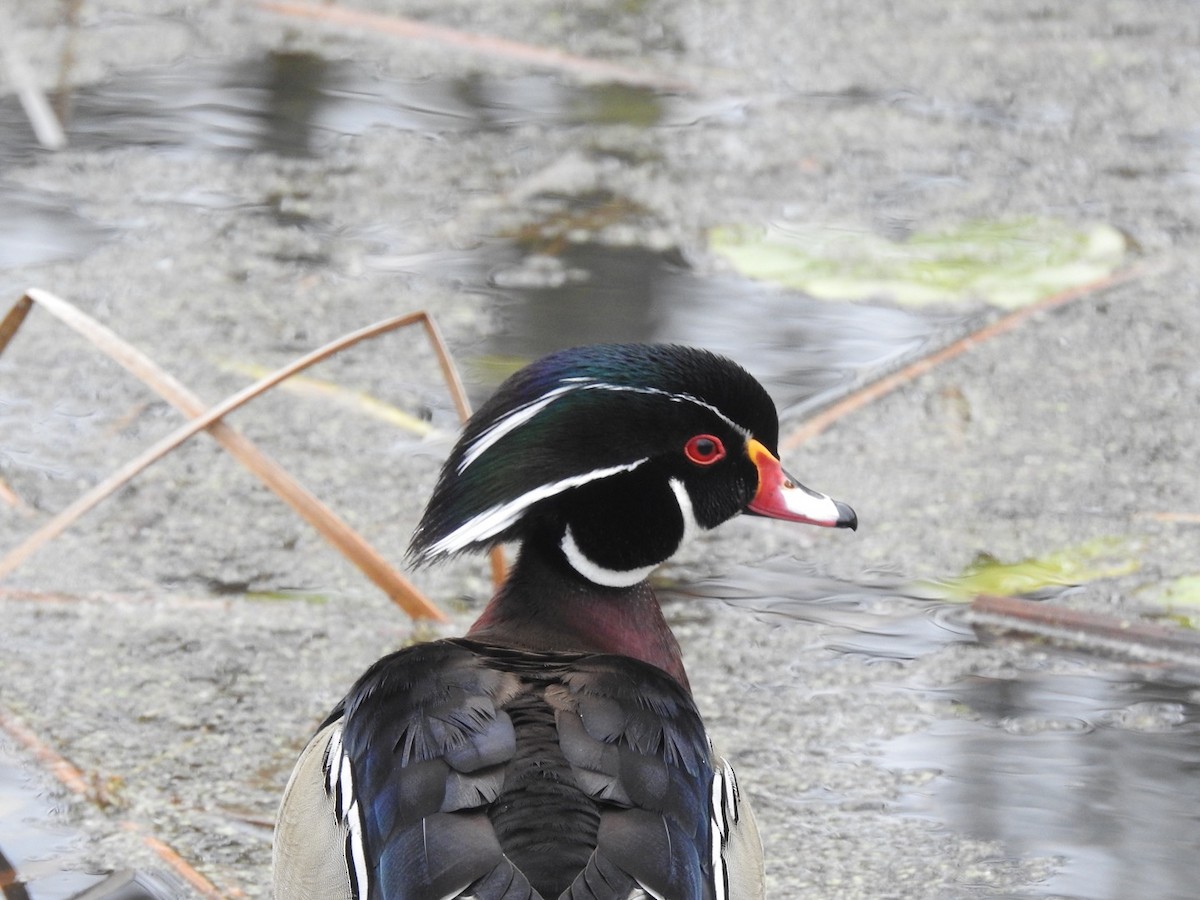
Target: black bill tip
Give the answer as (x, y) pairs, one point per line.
(846, 516)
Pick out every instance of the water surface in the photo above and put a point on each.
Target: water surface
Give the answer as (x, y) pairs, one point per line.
(1098, 770)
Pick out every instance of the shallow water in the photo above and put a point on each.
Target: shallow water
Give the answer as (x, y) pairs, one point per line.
(39, 228)
(288, 104)
(1097, 770)
(297, 104)
(31, 841)
(807, 352)
(1091, 765)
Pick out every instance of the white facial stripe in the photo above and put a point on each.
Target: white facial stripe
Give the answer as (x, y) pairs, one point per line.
(597, 574)
(522, 414)
(508, 423)
(493, 521)
(678, 398)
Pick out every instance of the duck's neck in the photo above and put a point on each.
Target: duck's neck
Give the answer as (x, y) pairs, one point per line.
(546, 605)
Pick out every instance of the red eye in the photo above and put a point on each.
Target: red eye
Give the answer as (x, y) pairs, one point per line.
(704, 449)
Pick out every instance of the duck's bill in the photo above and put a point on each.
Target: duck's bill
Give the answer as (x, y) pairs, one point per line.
(780, 496)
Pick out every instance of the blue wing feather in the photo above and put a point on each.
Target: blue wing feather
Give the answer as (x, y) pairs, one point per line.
(497, 775)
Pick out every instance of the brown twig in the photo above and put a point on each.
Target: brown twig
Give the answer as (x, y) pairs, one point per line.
(13, 319)
(9, 325)
(1086, 629)
(479, 44)
(185, 870)
(884, 386)
(449, 371)
(64, 771)
(331, 527)
(12, 498)
(454, 383)
(1188, 518)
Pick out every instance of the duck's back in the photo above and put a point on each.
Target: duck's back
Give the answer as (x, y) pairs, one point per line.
(462, 769)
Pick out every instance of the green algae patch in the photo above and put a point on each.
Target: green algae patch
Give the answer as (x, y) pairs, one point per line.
(1183, 591)
(1090, 561)
(1008, 263)
(1179, 600)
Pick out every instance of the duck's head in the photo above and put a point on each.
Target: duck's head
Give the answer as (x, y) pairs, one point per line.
(615, 455)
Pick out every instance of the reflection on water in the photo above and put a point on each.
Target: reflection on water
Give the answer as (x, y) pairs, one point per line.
(289, 104)
(292, 104)
(1091, 766)
(29, 841)
(1097, 770)
(35, 849)
(36, 228)
(877, 617)
(805, 351)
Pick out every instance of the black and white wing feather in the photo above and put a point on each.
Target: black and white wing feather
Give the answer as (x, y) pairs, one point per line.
(459, 771)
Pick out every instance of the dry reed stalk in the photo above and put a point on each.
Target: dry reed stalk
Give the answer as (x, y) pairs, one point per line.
(1086, 629)
(330, 526)
(478, 44)
(869, 393)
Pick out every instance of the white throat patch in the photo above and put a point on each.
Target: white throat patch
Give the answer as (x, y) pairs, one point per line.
(690, 526)
(598, 574)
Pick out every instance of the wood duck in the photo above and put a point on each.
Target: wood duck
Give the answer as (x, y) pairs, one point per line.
(555, 751)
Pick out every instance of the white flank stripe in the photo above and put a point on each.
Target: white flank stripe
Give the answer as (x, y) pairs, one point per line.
(724, 812)
(339, 781)
(716, 851)
(332, 759)
(733, 794)
(345, 786)
(358, 856)
(720, 824)
(493, 521)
